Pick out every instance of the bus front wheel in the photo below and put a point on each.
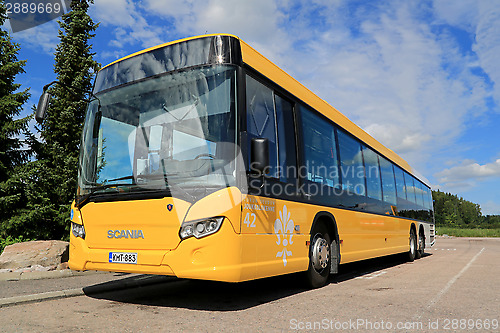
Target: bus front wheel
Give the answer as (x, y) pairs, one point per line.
(319, 257)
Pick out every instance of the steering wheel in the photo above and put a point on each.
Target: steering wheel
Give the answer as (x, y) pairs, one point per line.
(212, 157)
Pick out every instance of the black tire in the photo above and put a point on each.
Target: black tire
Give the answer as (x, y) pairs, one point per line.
(319, 266)
(412, 253)
(421, 245)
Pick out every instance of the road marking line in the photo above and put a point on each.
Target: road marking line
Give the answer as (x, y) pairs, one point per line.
(371, 275)
(451, 282)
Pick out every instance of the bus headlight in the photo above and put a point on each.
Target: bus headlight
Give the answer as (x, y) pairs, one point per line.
(78, 230)
(200, 228)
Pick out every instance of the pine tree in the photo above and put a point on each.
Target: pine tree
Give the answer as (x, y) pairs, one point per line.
(51, 179)
(75, 67)
(61, 130)
(12, 152)
(11, 103)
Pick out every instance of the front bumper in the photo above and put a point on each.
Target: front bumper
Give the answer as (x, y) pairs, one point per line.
(215, 257)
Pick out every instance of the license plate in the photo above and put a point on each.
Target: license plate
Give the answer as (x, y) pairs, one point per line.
(123, 257)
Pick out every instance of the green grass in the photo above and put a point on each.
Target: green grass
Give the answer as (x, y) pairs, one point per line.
(464, 232)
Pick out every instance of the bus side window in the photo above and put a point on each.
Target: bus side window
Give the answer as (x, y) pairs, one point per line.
(372, 170)
(351, 164)
(427, 198)
(388, 182)
(261, 120)
(410, 188)
(286, 140)
(320, 152)
(430, 202)
(400, 183)
(419, 190)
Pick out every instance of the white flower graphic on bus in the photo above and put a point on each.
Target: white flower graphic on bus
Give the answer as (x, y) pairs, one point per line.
(283, 228)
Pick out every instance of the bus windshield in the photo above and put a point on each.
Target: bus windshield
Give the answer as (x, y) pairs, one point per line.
(174, 131)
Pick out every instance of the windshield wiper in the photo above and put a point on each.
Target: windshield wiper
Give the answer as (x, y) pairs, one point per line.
(102, 186)
(169, 186)
(84, 198)
(120, 178)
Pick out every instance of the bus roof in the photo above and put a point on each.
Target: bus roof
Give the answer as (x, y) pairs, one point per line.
(167, 44)
(257, 61)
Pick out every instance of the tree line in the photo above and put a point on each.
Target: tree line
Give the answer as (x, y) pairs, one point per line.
(38, 172)
(452, 211)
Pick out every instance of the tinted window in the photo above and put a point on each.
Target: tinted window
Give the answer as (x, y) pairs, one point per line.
(351, 164)
(372, 170)
(388, 183)
(320, 152)
(427, 199)
(165, 59)
(430, 203)
(286, 139)
(400, 182)
(261, 120)
(410, 188)
(419, 191)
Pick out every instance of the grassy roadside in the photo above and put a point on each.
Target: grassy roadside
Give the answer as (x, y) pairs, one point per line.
(463, 232)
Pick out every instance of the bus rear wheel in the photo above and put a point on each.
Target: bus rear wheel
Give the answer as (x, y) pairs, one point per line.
(319, 257)
(421, 245)
(412, 253)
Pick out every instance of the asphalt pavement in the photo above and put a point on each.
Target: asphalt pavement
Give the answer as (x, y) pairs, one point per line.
(453, 288)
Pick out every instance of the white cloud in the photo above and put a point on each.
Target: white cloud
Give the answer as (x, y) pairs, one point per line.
(462, 14)
(469, 170)
(487, 44)
(391, 73)
(490, 208)
(173, 8)
(482, 20)
(257, 21)
(130, 25)
(113, 54)
(457, 187)
(41, 38)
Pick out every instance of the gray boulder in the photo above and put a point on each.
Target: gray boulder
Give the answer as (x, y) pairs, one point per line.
(28, 254)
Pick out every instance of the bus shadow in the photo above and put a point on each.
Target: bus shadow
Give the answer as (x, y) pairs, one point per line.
(196, 294)
(368, 267)
(164, 291)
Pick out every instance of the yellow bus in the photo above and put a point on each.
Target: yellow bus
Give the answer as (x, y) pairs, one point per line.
(202, 159)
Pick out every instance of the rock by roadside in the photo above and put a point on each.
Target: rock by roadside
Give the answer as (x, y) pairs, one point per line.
(35, 256)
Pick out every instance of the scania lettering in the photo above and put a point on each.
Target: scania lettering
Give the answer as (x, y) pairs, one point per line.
(125, 234)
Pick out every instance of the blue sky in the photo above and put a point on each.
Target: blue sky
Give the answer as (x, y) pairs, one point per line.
(422, 77)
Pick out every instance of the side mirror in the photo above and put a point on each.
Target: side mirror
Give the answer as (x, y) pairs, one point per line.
(43, 104)
(259, 156)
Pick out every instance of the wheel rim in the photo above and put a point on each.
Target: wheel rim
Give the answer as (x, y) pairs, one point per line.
(320, 253)
(412, 243)
(421, 243)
